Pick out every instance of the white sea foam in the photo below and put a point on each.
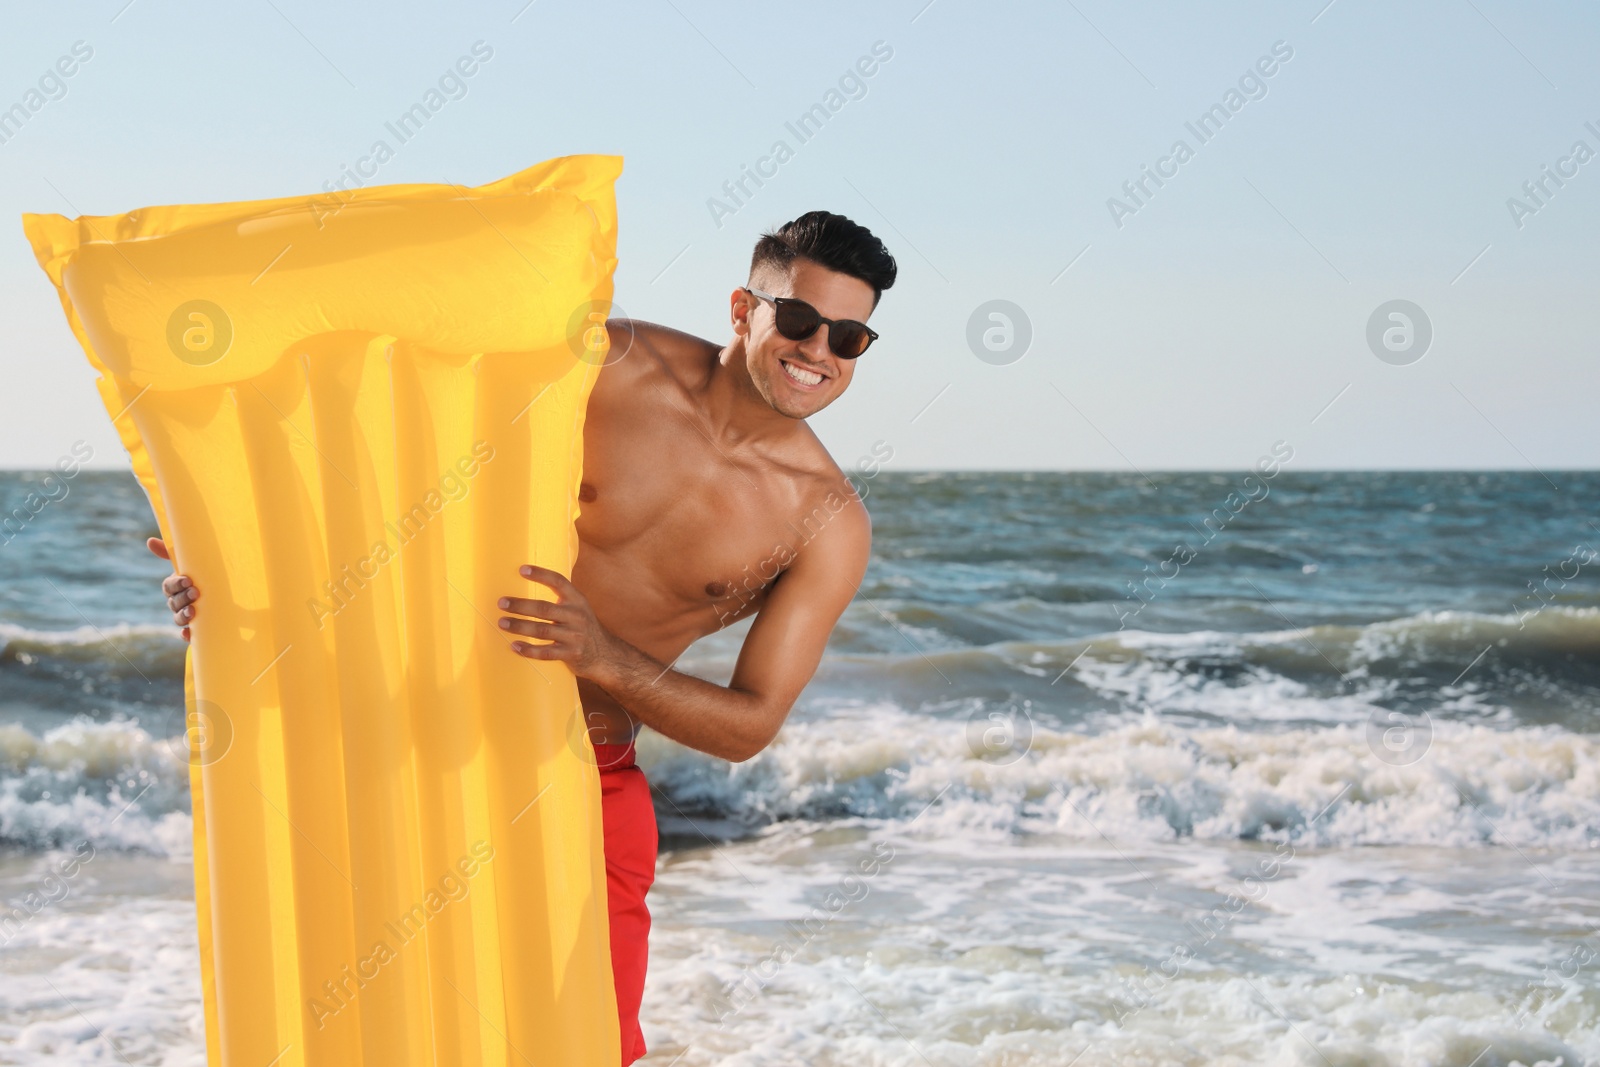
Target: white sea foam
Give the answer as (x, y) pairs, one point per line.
(110, 784)
(987, 1007)
(86, 982)
(1529, 787)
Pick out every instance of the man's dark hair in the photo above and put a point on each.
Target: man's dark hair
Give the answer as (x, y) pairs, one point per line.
(831, 241)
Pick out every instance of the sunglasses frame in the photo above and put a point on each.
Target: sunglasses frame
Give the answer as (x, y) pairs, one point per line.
(777, 303)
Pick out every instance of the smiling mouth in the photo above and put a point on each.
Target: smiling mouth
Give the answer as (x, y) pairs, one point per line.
(808, 379)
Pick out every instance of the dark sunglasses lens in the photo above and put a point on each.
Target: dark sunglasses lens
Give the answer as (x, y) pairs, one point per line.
(797, 320)
(848, 339)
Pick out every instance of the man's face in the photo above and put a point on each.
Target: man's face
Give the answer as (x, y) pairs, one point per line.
(784, 371)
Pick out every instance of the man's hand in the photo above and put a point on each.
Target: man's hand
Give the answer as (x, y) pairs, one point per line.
(180, 591)
(578, 639)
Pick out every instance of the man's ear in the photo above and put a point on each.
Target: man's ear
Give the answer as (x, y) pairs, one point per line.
(740, 307)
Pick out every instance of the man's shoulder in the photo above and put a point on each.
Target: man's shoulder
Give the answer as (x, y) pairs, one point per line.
(651, 347)
(833, 498)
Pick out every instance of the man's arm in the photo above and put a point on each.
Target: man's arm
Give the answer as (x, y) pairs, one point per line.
(779, 656)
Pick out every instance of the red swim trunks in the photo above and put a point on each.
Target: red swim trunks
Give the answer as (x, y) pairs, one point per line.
(628, 820)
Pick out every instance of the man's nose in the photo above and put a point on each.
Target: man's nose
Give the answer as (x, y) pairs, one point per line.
(815, 347)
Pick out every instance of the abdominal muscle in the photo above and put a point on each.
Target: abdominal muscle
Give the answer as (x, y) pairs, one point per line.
(654, 621)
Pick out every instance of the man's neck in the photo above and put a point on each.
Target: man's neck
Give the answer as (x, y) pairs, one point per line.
(737, 413)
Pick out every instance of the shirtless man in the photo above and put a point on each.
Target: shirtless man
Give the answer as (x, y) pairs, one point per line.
(706, 499)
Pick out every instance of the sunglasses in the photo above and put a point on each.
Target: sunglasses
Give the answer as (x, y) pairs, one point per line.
(798, 320)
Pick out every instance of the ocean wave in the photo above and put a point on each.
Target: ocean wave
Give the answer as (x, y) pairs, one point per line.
(1450, 640)
(1468, 785)
(1544, 663)
(1204, 734)
(114, 649)
(14, 636)
(110, 784)
(1534, 670)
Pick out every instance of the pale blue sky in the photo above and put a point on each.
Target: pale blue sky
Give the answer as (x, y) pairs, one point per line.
(1224, 315)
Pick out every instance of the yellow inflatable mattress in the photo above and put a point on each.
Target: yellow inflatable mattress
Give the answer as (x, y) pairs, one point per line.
(356, 416)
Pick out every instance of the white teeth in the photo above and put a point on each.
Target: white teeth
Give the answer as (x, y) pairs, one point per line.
(804, 377)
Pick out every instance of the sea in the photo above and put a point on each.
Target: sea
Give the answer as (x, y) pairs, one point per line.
(1099, 768)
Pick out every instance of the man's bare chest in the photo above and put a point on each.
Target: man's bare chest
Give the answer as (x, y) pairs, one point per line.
(683, 524)
(698, 545)
(675, 526)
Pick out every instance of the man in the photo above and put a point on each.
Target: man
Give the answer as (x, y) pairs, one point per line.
(705, 499)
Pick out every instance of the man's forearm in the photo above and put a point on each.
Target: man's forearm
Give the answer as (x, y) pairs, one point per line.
(728, 721)
(719, 720)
